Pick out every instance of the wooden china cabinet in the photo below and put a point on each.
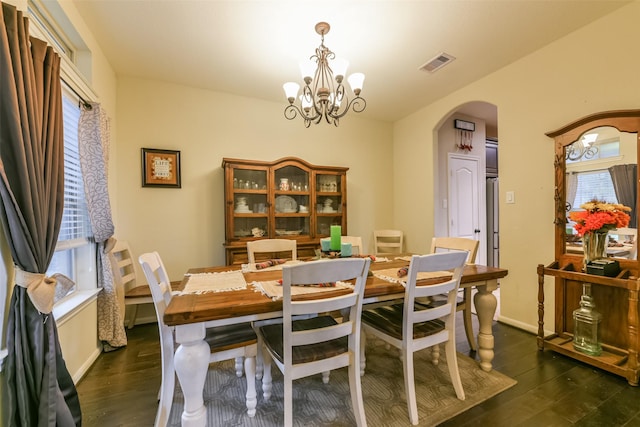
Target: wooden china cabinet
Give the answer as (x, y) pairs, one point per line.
(616, 298)
(288, 198)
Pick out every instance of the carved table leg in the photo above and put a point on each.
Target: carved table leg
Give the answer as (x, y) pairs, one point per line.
(192, 363)
(486, 304)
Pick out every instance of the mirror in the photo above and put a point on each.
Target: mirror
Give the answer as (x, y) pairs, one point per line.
(602, 165)
(596, 157)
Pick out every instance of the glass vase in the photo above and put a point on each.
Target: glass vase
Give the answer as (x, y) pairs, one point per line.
(586, 325)
(594, 245)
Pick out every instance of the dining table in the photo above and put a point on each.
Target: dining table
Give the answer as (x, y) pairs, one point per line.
(197, 307)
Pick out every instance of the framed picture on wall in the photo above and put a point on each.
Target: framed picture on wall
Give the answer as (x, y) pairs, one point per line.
(160, 168)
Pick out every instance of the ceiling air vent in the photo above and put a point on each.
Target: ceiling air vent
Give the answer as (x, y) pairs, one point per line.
(438, 62)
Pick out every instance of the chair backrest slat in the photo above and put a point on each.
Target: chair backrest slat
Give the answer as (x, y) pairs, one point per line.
(271, 246)
(388, 242)
(446, 244)
(323, 272)
(450, 261)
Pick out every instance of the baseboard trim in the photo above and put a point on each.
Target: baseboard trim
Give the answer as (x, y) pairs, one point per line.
(521, 325)
(80, 373)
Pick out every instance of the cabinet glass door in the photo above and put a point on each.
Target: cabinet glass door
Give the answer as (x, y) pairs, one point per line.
(250, 207)
(291, 203)
(328, 203)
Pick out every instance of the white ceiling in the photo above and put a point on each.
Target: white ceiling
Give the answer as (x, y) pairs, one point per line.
(250, 48)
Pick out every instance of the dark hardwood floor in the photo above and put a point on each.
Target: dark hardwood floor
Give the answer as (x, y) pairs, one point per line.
(121, 388)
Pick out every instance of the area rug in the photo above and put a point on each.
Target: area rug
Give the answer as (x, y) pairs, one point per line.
(318, 404)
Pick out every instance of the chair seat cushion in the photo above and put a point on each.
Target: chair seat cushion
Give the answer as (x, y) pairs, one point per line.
(389, 319)
(438, 300)
(232, 336)
(273, 339)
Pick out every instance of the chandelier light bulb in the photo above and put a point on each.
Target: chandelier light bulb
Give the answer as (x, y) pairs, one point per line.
(307, 69)
(340, 68)
(306, 102)
(291, 91)
(356, 81)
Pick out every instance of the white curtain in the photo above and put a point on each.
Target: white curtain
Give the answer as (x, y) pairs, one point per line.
(572, 189)
(94, 139)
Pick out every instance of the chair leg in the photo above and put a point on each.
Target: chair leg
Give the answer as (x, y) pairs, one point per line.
(356, 393)
(250, 374)
(468, 324)
(452, 363)
(133, 310)
(259, 360)
(288, 400)
(165, 398)
(266, 376)
(239, 362)
(435, 354)
(410, 387)
(363, 358)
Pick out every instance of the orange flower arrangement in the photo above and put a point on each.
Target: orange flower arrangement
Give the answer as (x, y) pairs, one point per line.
(599, 217)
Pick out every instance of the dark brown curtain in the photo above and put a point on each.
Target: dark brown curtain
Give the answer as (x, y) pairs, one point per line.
(40, 391)
(625, 184)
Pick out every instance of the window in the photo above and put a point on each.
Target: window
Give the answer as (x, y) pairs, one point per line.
(592, 185)
(75, 251)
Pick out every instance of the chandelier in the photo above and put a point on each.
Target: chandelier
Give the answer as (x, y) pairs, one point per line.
(583, 149)
(324, 94)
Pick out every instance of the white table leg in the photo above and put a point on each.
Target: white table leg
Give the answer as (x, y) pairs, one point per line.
(486, 304)
(192, 363)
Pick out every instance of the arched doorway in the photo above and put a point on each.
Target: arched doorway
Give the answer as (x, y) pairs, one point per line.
(457, 143)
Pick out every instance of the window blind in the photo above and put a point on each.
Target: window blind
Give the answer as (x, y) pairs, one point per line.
(75, 219)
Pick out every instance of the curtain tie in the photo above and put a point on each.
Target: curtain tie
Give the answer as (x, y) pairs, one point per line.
(40, 288)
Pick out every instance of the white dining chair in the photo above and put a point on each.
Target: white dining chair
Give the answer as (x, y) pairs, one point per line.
(130, 291)
(627, 234)
(388, 242)
(304, 347)
(225, 342)
(446, 244)
(273, 247)
(410, 327)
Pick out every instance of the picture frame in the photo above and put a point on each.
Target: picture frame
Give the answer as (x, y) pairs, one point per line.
(161, 168)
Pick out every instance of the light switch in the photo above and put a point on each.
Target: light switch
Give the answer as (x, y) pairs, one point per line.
(511, 197)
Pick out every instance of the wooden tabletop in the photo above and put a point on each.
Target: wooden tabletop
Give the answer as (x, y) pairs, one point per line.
(193, 308)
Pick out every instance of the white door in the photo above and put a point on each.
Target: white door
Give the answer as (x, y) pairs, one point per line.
(464, 201)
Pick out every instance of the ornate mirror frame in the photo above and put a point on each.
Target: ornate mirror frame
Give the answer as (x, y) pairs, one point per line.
(624, 121)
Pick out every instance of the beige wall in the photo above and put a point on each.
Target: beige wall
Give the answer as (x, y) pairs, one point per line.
(593, 69)
(186, 226)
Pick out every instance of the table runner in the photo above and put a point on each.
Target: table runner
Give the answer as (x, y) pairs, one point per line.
(251, 268)
(273, 288)
(391, 275)
(199, 283)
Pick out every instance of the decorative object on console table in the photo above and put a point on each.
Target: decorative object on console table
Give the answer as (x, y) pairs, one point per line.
(586, 324)
(160, 168)
(604, 267)
(594, 246)
(594, 223)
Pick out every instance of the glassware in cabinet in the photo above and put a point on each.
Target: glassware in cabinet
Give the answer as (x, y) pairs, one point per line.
(249, 179)
(291, 179)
